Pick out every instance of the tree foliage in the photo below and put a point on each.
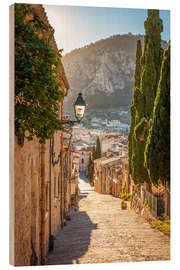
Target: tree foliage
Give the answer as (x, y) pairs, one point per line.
(133, 108)
(37, 89)
(141, 130)
(153, 27)
(92, 157)
(98, 147)
(147, 73)
(137, 74)
(139, 172)
(96, 153)
(157, 152)
(148, 80)
(90, 168)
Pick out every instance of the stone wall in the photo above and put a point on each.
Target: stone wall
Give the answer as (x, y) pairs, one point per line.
(27, 200)
(38, 181)
(35, 204)
(39, 198)
(147, 201)
(110, 174)
(138, 206)
(83, 160)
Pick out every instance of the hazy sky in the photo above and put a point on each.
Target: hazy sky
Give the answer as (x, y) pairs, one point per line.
(76, 27)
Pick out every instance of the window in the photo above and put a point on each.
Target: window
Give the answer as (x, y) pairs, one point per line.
(82, 161)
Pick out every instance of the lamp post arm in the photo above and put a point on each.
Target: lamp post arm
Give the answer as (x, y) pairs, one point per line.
(70, 122)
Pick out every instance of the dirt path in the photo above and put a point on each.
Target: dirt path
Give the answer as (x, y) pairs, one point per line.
(101, 232)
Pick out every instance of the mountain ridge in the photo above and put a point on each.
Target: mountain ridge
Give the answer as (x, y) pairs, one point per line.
(103, 71)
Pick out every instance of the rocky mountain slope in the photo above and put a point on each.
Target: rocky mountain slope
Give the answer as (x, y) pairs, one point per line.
(103, 72)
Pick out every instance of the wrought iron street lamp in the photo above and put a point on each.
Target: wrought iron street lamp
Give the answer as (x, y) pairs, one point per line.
(79, 110)
(79, 107)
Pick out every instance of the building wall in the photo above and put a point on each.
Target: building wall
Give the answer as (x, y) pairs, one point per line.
(27, 202)
(83, 160)
(35, 204)
(56, 179)
(67, 168)
(39, 188)
(105, 173)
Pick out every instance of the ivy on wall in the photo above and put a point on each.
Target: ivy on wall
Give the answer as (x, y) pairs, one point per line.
(37, 89)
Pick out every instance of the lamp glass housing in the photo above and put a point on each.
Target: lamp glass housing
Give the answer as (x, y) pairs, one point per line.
(79, 112)
(79, 107)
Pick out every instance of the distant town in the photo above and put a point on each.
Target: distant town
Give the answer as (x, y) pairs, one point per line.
(113, 144)
(105, 122)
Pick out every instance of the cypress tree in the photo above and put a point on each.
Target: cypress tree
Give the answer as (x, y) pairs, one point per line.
(90, 169)
(92, 157)
(98, 148)
(144, 95)
(130, 136)
(96, 153)
(137, 73)
(151, 60)
(93, 153)
(133, 109)
(137, 164)
(153, 27)
(148, 81)
(139, 172)
(139, 104)
(157, 152)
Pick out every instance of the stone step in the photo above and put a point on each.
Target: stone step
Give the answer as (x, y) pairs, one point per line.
(100, 232)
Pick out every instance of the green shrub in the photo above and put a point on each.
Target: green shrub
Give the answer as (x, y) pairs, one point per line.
(123, 205)
(146, 204)
(123, 188)
(125, 196)
(128, 196)
(122, 195)
(110, 189)
(163, 225)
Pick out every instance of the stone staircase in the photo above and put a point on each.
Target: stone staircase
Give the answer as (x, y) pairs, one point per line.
(100, 232)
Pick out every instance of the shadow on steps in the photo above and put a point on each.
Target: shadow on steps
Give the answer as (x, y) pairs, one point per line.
(73, 240)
